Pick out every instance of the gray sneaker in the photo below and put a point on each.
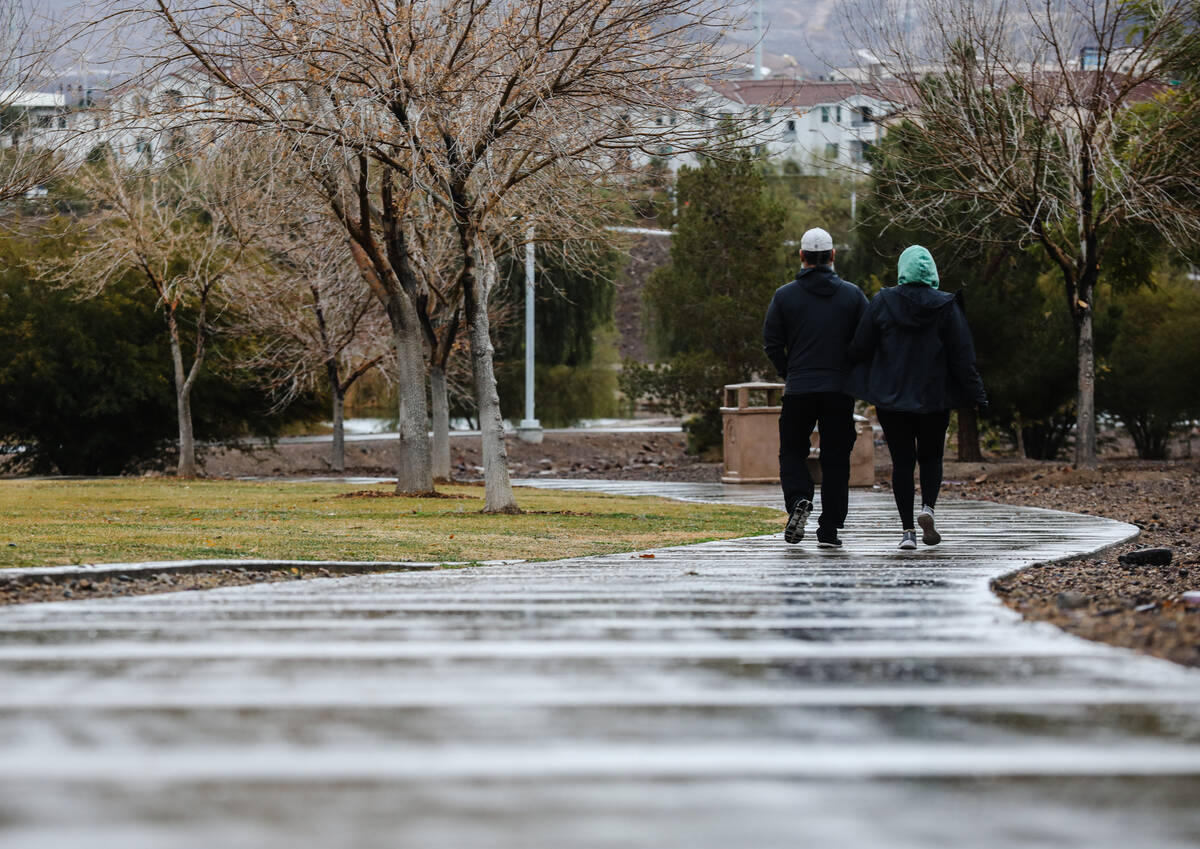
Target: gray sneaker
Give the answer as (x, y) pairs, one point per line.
(929, 534)
(909, 541)
(794, 532)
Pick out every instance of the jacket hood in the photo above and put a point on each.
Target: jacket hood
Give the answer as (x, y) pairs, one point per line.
(819, 280)
(915, 306)
(916, 265)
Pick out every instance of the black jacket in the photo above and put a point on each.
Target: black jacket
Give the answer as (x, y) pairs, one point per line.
(917, 351)
(809, 325)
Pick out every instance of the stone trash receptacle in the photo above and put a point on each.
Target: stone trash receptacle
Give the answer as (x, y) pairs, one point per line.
(750, 415)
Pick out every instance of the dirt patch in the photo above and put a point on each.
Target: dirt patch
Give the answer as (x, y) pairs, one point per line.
(1134, 606)
(646, 254)
(384, 493)
(580, 455)
(129, 585)
(555, 513)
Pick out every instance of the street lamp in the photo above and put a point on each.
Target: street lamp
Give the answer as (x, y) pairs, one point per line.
(530, 429)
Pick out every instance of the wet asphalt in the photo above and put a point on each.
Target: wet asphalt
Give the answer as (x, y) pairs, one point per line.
(743, 693)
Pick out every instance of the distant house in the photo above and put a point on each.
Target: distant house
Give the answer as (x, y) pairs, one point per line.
(815, 124)
(146, 123)
(27, 116)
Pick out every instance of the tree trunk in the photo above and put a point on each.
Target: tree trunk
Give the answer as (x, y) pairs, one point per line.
(498, 493)
(968, 436)
(441, 422)
(413, 472)
(337, 459)
(186, 467)
(1085, 408)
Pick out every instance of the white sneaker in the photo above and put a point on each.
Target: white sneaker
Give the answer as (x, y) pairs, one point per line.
(929, 534)
(908, 542)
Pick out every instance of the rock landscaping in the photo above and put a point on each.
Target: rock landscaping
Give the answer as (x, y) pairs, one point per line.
(1136, 595)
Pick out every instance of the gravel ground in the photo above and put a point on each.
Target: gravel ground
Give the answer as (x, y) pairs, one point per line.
(609, 456)
(1134, 606)
(50, 589)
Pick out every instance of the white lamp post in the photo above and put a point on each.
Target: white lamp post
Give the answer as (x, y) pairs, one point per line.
(530, 429)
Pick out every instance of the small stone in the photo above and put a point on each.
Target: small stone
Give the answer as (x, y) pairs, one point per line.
(1072, 600)
(1191, 598)
(1142, 608)
(1147, 557)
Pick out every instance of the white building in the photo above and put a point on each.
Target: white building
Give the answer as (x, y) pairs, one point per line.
(145, 124)
(139, 123)
(31, 115)
(815, 124)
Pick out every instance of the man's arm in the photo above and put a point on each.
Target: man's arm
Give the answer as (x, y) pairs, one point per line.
(775, 338)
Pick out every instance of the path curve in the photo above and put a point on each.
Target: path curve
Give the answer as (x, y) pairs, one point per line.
(741, 693)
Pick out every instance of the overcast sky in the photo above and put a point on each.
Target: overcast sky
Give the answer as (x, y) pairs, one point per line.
(808, 30)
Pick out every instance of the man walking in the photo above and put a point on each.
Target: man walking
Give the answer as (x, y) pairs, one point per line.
(806, 335)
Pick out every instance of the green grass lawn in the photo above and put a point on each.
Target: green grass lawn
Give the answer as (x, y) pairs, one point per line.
(50, 522)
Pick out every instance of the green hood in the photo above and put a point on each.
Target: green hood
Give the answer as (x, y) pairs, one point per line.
(917, 266)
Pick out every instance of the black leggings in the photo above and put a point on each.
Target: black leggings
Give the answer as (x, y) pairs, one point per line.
(914, 438)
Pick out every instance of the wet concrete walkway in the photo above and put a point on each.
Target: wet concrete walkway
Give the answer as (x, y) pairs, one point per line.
(733, 694)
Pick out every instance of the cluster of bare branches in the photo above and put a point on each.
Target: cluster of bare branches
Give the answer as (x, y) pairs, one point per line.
(26, 48)
(436, 133)
(311, 322)
(1046, 122)
(183, 233)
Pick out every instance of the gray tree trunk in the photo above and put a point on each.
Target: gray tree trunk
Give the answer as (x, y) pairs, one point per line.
(968, 436)
(413, 471)
(337, 459)
(186, 467)
(441, 422)
(1085, 412)
(498, 493)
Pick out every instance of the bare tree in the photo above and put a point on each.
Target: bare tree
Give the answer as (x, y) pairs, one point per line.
(460, 102)
(436, 263)
(172, 229)
(1045, 122)
(313, 320)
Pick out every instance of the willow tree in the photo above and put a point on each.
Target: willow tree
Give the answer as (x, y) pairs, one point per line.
(1052, 123)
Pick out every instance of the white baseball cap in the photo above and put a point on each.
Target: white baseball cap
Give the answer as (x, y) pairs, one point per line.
(816, 240)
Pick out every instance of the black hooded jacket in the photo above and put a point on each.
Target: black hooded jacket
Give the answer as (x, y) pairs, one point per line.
(809, 325)
(917, 352)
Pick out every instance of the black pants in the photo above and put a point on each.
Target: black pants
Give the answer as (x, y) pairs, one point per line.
(834, 412)
(914, 438)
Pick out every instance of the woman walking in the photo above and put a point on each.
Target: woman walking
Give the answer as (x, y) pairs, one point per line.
(921, 365)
